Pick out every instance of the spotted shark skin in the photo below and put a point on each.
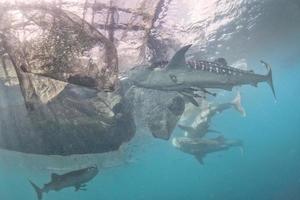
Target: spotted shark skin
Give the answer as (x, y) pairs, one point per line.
(180, 74)
(215, 67)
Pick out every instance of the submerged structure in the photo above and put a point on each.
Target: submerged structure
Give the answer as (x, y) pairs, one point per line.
(61, 63)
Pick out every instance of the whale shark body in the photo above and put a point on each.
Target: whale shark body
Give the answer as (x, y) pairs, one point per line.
(184, 76)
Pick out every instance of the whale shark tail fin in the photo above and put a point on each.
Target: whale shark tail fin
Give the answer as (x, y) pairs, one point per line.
(238, 105)
(269, 78)
(38, 190)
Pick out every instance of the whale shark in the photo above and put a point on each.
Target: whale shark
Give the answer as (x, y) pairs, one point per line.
(186, 76)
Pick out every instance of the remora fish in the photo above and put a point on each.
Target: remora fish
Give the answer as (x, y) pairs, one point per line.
(75, 179)
(179, 75)
(201, 121)
(201, 147)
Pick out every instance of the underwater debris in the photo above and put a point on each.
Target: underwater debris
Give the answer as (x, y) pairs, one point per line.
(163, 119)
(63, 50)
(76, 121)
(157, 111)
(67, 72)
(64, 60)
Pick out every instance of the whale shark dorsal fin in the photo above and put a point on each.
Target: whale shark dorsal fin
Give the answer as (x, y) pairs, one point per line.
(54, 176)
(178, 60)
(221, 61)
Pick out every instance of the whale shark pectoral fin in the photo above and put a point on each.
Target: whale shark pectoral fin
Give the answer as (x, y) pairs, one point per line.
(178, 60)
(190, 98)
(208, 92)
(199, 157)
(38, 190)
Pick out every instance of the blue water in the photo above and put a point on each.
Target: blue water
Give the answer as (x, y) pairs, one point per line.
(268, 170)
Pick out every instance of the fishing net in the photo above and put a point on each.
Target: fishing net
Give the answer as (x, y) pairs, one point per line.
(81, 43)
(67, 72)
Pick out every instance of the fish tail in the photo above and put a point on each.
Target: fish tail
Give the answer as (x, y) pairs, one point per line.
(269, 78)
(38, 190)
(237, 104)
(242, 151)
(242, 148)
